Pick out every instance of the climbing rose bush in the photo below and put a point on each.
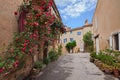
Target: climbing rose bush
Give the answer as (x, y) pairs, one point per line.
(40, 26)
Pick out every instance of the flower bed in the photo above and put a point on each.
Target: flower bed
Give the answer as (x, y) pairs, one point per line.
(106, 62)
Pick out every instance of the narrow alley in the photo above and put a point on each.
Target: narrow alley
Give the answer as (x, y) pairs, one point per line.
(44, 40)
(73, 67)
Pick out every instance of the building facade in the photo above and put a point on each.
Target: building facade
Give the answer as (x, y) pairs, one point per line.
(8, 21)
(106, 25)
(77, 35)
(11, 21)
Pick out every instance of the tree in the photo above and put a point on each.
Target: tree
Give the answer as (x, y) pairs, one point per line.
(87, 38)
(70, 45)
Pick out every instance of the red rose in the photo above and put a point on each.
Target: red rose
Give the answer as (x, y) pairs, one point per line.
(25, 44)
(2, 69)
(34, 35)
(25, 22)
(6, 74)
(30, 50)
(15, 13)
(17, 39)
(23, 49)
(16, 63)
(12, 50)
(36, 24)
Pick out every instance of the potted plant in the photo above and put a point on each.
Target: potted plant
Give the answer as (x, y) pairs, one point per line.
(108, 69)
(116, 70)
(92, 57)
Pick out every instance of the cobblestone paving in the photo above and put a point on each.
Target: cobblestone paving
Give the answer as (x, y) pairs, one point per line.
(73, 67)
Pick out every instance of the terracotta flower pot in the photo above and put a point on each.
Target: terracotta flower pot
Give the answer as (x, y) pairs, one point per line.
(108, 71)
(91, 59)
(116, 72)
(95, 61)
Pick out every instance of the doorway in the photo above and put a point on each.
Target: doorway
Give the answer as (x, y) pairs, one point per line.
(116, 42)
(97, 44)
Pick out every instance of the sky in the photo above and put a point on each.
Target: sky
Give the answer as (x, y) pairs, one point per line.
(75, 12)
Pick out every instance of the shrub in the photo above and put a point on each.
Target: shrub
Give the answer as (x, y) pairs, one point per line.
(105, 58)
(93, 54)
(59, 49)
(53, 55)
(46, 60)
(91, 48)
(70, 45)
(38, 64)
(87, 38)
(108, 50)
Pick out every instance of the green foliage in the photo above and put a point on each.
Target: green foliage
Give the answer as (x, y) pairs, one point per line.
(87, 38)
(108, 57)
(53, 55)
(105, 58)
(1, 64)
(93, 55)
(70, 45)
(38, 64)
(46, 60)
(108, 50)
(115, 54)
(59, 49)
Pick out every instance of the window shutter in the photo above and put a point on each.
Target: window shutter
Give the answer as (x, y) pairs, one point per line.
(21, 20)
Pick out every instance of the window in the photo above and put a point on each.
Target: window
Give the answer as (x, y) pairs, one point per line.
(64, 32)
(71, 39)
(65, 40)
(78, 33)
(116, 41)
(22, 18)
(70, 32)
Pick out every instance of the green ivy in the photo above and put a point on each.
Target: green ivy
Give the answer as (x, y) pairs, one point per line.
(87, 38)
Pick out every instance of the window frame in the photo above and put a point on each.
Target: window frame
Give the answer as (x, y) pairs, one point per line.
(79, 33)
(65, 40)
(71, 39)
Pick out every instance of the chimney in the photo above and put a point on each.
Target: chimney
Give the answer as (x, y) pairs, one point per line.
(86, 22)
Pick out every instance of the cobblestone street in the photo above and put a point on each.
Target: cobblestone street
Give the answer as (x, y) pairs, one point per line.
(73, 67)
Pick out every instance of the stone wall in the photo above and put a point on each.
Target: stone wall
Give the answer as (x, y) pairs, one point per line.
(106, 20)
(9, 25)
(22, 72)
(8, 21)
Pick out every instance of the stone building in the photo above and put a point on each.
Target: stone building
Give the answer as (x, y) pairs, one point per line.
(8, 22)
(106, 25)
(11, 23)
(77, 35)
